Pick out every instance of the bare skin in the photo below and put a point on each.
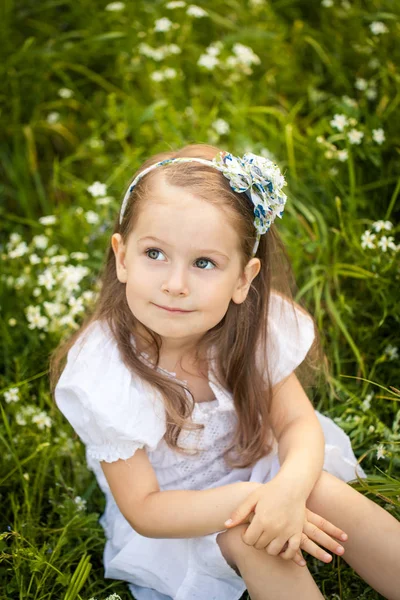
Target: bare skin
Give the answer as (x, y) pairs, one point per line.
(372, 548)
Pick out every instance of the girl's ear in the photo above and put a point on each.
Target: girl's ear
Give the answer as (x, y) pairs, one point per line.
(119, 251)
(251, 271)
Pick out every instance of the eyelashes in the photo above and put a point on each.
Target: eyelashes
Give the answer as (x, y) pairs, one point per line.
(202, 258)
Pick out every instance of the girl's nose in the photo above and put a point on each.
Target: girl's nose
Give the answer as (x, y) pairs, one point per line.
(176, 282)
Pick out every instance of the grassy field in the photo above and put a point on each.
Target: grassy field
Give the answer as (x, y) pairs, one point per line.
(89, 90)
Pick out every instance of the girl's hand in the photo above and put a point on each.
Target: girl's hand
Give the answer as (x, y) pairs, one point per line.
(315, 528)
(282, 520)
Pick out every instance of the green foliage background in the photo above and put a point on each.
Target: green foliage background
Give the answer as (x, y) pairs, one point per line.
(316, 60)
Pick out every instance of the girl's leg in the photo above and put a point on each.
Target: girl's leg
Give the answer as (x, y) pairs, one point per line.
(266, 577)
(373, 545)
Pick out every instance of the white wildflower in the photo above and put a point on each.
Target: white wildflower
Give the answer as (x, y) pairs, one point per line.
(97, 189)
(53, 117)
(48, 220)
(115, 6)
(53, 309)
(20, 282)
(65, 93)
(379, 225)
(342, 155)
(157, 76)
(72, 275)
(11, 395)
(12, 322)
(46, 279)
(19, 250)
(214, 49)
(327, 3)
(355, 136)
(350, 101)
(169, 73)
(59, 258)
(26, 476)
(156, 54)
(380, 452)
(36, 320)
(196, 11)
(40, 241)
(24, 413)
(246, 55)
(378, 135)
(15, 238)
(374, 63)
(36, 292)
(103, 201)
(208, 61)
(42, 420)
(392, 352)
(88, 296)
(163, 24)
(378, 27)
(173, 49)
(371, 429)
(80, 503)
(68, 321)
(371, 93)
(76, 305)
(92, 217)
(80, 255)
(221, 126)
(176, 4)
(366, 404)
(339, 122)
(387, 242)
(361, 84)
(367, 240)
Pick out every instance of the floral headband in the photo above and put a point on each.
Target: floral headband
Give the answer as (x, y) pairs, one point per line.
(259, 178)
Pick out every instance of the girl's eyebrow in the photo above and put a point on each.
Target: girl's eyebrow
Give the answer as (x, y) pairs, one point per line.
(198, 251)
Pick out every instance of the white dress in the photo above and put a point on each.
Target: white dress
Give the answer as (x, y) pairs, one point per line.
(115, 413)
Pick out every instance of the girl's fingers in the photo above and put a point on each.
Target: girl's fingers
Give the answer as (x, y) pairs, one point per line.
(326, 526)
(309, 546)
(321, 538)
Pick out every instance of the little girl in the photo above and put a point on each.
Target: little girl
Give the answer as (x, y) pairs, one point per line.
(216, 469)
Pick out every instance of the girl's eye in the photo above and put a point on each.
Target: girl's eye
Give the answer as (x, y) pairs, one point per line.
(153, 253)
(203, 262)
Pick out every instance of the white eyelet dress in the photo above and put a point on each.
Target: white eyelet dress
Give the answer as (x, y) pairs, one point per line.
(115, 413)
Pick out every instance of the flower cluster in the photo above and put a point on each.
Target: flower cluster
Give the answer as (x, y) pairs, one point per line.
(33, 414)
(371, 240)
(240, 62)
(262, 181)
(50, 277)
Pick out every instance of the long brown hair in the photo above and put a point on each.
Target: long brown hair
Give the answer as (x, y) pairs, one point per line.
(236, 340)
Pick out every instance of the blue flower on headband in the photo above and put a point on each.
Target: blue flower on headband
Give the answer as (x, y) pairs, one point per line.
(262, 182)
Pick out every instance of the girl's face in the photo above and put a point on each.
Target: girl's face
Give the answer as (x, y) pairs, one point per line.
(181, 265)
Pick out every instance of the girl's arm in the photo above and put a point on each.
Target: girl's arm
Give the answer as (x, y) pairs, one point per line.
(301, 441)
(170, 513)
(192, 513)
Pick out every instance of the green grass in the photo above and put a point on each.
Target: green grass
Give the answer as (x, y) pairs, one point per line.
(56, 143)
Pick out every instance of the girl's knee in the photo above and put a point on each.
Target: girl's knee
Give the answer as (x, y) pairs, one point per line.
(232, 545)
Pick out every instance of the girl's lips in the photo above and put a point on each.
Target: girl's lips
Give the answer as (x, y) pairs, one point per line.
(175, 310)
